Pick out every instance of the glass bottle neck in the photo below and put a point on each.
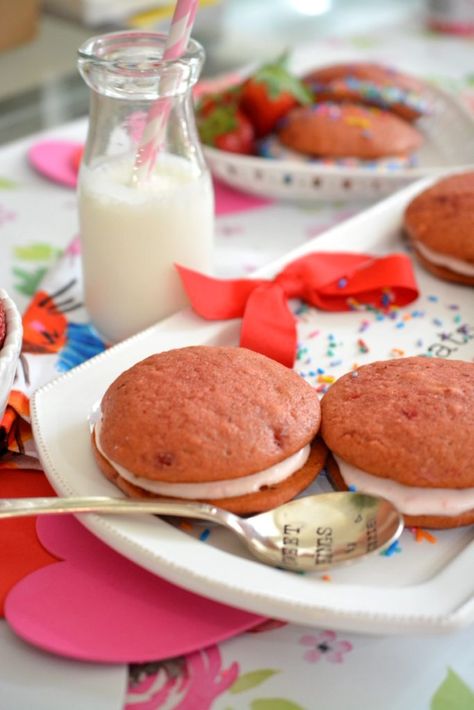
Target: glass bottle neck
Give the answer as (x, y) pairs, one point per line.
(116, 128)
(130, 66)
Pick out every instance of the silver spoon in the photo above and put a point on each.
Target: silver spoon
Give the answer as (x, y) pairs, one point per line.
(307, 534)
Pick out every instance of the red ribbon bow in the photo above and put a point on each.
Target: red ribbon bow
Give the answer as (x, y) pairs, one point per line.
(330, 281)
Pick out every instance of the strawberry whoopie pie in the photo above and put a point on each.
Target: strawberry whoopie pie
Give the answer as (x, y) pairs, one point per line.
(224, 425)
(333, 130)
(370, 83)
(440, 225)
(404, 429)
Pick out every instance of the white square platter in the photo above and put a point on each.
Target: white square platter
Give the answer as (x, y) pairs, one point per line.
(423, 587)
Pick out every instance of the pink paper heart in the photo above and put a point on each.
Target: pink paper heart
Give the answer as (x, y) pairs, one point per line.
(230, 201)
(55, 160)
(99, 606)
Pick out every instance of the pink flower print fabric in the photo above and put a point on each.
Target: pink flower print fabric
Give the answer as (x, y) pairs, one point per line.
(188, 683)
(325, 644)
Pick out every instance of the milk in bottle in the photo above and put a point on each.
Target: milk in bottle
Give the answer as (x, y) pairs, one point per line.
(133, 231)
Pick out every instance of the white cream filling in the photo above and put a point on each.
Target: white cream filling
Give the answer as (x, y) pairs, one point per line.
(217, 489)
(411, 500)
(449, 262)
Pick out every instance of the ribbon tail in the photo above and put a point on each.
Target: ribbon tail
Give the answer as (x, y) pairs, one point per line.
(379, 282)
(216, 299)
(268, 326)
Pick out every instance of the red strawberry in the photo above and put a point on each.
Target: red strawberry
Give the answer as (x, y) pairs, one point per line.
(270, 93)
(208, 102)
(227, 128)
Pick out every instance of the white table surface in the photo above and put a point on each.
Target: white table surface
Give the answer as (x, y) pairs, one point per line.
(394, 673)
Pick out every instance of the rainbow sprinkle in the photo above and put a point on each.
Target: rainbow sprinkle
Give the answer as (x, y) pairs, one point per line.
(358, 121)
(328, 379)
(421, 535)
(184, 525)
(204, 535)
(392, 549)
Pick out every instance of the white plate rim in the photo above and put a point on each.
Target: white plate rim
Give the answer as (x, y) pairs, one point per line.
(417, 610)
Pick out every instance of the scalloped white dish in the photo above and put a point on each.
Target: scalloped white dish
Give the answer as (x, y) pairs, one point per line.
(425, 585)
(448, 145)
(11, 348)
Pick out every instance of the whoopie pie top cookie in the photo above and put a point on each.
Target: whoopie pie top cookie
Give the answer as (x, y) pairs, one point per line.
(404, 429)
(370, 83)
(347, 130)
(225, 426)
(440, 224)
(206, 413)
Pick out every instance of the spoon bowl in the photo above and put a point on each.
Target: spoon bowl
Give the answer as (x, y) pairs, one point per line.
(309, 534)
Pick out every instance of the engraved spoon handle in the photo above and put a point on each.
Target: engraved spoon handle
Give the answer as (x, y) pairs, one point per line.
(20, 507)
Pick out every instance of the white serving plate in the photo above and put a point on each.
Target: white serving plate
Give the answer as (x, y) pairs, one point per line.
(10, 351)
(425, 588)
(448, 145)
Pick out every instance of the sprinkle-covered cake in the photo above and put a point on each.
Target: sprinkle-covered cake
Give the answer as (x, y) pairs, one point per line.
(370, 83)
(348, 130)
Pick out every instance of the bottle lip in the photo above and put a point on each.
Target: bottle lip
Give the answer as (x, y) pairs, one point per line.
(120, 52)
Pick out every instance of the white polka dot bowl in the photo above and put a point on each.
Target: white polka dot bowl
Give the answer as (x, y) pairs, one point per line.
(10, 351)
(448, 145)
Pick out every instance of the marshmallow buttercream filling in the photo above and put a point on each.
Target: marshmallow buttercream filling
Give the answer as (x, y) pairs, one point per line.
(449, 262)
(230, 488)
(410, 500)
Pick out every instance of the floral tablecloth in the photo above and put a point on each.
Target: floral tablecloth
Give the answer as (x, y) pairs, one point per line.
(275, 666)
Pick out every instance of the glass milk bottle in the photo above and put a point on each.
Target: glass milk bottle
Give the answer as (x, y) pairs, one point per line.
(135, 227)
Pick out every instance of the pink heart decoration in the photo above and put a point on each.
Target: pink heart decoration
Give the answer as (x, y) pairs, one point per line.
(230, 201)
(98, 606)
(56, 161)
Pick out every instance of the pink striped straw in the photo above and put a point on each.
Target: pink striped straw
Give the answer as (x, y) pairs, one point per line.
(178, 38)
